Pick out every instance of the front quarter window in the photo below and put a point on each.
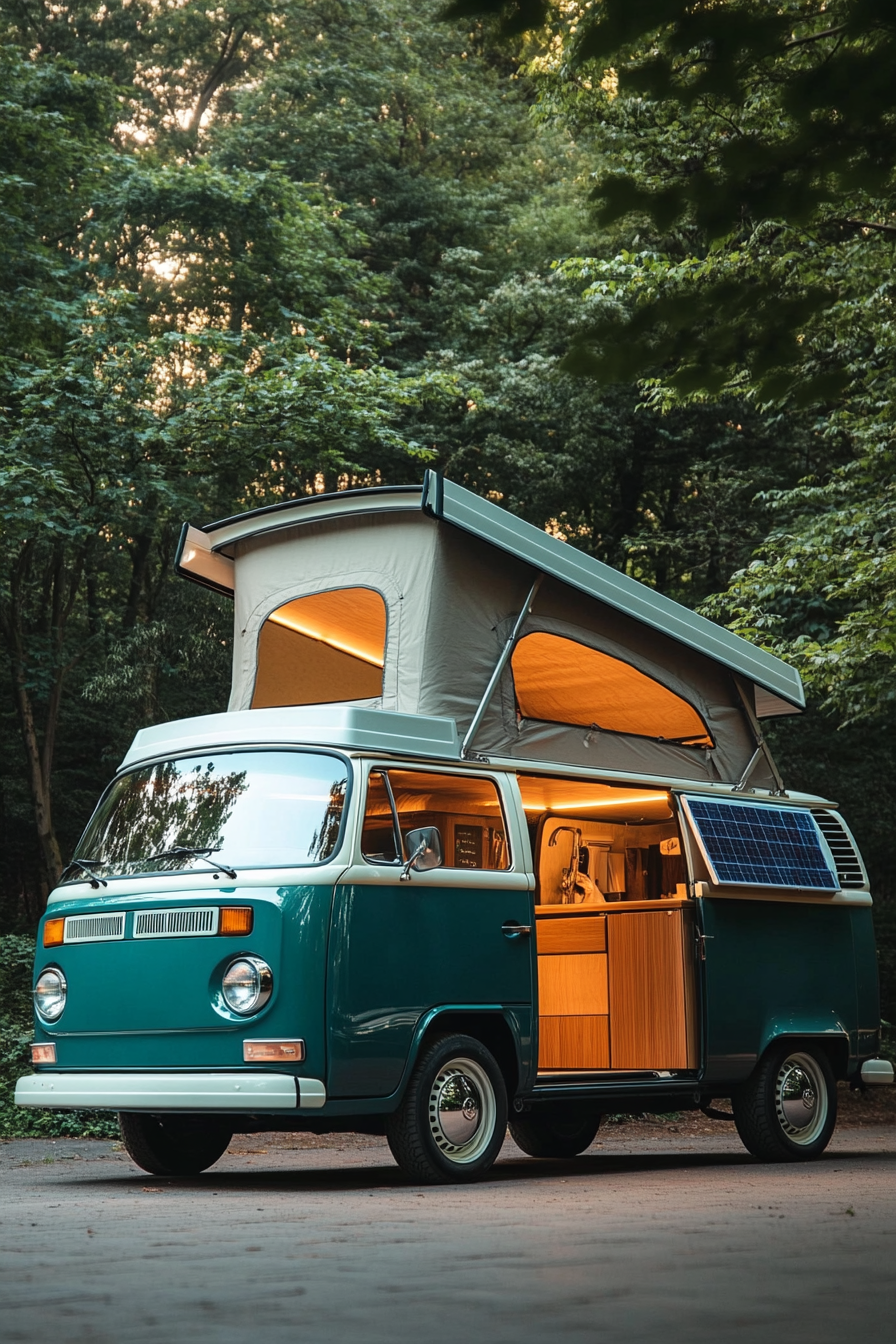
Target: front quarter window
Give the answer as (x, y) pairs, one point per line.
(250, 809)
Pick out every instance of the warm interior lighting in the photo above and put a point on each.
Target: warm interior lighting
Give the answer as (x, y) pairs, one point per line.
(44, 1054)
(352, 620)
(235, 919)
(313, 632)
(54, 933)
(588, 804)
(579, 798)
(559, 680)
(292, 1052)
(322, 648)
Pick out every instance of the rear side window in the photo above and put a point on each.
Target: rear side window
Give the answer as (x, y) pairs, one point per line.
(466, 810)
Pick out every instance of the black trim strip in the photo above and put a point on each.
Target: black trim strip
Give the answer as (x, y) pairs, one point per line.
(311, 499)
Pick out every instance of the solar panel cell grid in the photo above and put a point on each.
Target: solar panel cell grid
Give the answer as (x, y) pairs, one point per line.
(761, 846)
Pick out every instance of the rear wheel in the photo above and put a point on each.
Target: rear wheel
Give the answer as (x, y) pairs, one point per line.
(173, 1145)
(554, 1134)
(453, 1118)
(786, 1111)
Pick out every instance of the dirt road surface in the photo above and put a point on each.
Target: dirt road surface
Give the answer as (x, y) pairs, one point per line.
(659, 1233)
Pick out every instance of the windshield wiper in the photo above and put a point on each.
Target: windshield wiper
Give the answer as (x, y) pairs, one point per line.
(187, 851)
(85, 865)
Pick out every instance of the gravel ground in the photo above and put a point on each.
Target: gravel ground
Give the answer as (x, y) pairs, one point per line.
(661, 1232)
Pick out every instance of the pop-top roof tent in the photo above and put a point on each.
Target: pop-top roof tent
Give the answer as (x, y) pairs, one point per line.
(432, 601)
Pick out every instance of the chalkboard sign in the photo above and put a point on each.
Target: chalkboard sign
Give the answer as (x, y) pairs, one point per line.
(468, 847)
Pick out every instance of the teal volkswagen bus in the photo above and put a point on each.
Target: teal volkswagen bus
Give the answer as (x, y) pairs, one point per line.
(489, 833)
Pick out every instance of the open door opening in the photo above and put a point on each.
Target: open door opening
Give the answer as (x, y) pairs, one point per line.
(613, 927)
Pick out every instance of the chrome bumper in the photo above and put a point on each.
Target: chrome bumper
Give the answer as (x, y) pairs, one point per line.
(170, 1092)
(877, 1071)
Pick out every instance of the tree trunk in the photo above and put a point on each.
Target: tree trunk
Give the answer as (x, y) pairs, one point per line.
(39, 778)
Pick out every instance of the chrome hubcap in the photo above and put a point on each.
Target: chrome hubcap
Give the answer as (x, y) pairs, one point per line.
(462, 1110)
(801, 1100)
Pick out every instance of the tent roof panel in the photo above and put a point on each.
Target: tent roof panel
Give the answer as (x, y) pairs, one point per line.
(452, 504)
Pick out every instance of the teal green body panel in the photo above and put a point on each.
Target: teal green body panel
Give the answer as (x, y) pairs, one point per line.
(867, 982)
(398, 952)
(151, 1002)
(774, 968)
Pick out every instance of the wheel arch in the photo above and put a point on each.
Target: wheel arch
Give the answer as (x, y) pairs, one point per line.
(490, 1025)
(833, 1043)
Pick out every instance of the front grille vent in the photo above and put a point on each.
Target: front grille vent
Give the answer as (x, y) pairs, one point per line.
(850, 873)
(193, 922)
(94, 928)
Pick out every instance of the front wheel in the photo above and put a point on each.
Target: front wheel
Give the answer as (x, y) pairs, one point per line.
(452, 1121)
(173, 1145)
(554, 1133)
(787, 1109)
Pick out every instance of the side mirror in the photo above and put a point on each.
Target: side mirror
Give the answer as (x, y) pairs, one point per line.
(424, 849)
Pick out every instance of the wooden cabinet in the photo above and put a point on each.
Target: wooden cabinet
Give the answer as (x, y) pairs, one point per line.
(648, 1028)
(612, 991)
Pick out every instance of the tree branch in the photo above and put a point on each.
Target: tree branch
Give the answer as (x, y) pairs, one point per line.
(222, 67)
(868, 224)
(816, 37)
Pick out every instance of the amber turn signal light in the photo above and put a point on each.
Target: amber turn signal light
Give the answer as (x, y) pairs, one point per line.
(235, 919)
(44, 1054)
(286, 1052)
(54, 933)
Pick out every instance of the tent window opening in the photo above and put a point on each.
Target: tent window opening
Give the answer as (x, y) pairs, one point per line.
(467, 812)
(558, 680)
(323, 648)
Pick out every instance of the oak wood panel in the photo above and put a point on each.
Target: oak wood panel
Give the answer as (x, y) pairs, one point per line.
(579, 933)
(646, 991)
(572, 985)
(573, 1043)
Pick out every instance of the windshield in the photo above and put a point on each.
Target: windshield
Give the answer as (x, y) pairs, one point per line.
(244, 809)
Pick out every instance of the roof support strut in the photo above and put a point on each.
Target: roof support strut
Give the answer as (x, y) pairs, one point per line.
(762, 748)
(499, 668)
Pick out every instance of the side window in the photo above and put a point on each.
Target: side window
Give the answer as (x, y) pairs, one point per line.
(329, 646)
(466, 810)
(379, 835)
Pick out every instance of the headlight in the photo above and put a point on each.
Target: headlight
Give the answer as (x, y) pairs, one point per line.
(49, 994)
(247, 984)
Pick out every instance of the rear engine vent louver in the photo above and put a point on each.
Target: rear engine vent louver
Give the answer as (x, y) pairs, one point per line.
(196, 922)
(847, 862)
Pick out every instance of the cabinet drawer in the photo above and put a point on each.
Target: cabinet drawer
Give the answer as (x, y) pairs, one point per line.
(573, 1043)
(578, 933)
(574, 984)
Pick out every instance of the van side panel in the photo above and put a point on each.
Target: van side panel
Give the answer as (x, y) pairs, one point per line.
(867, 982)
(773, 968)
(400, 949)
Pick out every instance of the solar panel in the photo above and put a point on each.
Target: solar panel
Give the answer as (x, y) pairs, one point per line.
(754, 845)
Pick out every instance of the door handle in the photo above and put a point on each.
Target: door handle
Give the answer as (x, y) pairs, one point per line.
(512, 929)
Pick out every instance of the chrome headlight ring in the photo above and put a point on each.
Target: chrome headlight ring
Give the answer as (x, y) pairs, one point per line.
(50, 993)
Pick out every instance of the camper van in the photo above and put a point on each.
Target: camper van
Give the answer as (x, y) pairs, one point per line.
(489, 834)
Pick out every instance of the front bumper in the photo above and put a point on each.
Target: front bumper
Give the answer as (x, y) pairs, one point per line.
(170, 1092)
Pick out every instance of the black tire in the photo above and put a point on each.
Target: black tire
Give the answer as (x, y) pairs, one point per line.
(553, 1133)
(453, 1118)
(173, 1145)
(787, 1109)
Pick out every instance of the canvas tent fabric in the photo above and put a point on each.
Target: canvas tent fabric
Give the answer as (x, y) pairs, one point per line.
(447, 601)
